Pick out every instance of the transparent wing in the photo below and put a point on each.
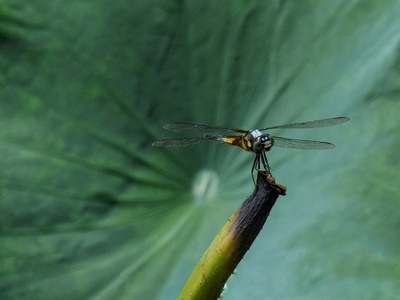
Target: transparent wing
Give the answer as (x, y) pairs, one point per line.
(180, 127)
(312, 124)
(300, 144)
(181, 142)
(178, 142)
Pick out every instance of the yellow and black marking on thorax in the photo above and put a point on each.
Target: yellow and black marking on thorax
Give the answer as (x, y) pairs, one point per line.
(241, 141)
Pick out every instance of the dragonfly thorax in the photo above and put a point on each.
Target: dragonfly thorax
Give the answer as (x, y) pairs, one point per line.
(259, 142)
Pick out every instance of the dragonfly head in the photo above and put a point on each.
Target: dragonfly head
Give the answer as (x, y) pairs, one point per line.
(262, 143)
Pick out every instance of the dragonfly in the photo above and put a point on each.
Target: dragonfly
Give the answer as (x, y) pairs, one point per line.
(250, 140)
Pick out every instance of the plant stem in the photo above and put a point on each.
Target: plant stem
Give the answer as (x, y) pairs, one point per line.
(232, 242)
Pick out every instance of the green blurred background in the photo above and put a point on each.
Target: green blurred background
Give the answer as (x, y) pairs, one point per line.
(89, 210)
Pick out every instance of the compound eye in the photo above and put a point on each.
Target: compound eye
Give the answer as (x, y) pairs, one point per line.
(264, 139)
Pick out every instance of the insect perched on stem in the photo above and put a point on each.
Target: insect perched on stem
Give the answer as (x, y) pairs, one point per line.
(250, 140)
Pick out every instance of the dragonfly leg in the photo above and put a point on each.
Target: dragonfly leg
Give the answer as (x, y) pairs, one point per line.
(260, 159)
(264, 161)
(256, 166)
